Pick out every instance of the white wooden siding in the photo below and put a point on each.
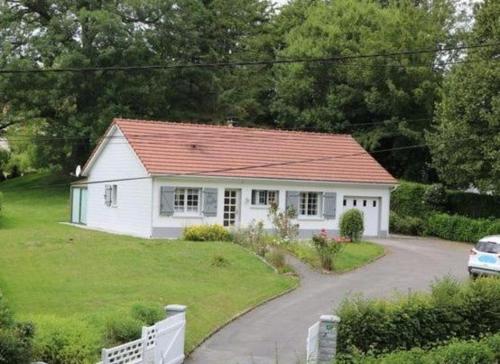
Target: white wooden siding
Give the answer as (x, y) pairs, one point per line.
(132, 214)
(251, 213)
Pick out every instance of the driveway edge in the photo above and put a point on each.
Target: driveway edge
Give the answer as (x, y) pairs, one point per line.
(238, 315)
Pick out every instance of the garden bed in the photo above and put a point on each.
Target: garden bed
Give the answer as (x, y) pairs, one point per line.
(354, 255)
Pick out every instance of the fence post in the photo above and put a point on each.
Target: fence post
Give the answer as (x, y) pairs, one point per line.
(327, 341)
(172, 310)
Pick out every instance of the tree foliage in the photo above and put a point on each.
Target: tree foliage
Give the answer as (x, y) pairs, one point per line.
(465, 143)
(394, 95)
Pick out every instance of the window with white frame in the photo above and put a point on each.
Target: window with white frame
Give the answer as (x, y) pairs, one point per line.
(187, 200)
(264, 197)
(310, 204)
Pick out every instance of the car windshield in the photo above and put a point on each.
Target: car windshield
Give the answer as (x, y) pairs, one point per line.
(488, 247)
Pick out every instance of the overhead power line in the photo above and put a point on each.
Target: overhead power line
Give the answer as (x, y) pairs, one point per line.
(154, 136)
(246, 63)
(214, 172)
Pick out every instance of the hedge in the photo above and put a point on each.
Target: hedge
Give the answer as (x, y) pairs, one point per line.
(484, 351)
(15, 338)
(460, 228)
(407, 225)
(409, 200)
(451, 310)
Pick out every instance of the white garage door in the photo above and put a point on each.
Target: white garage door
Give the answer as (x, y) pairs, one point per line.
(371, 211)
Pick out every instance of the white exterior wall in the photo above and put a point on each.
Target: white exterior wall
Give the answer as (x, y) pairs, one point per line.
(132, 213)
(172, 226)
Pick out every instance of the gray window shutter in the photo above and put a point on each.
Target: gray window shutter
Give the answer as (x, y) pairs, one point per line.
(210, 201)
(108, 190)
(329, 205)
(167, 194)
(292, 200)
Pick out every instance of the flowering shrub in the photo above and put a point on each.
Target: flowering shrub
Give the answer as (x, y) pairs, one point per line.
(327, 249)
(286, 229)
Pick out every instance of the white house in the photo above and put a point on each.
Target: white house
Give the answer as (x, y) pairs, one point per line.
(152, 179)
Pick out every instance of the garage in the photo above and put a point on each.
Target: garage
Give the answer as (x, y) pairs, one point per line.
(370, 206)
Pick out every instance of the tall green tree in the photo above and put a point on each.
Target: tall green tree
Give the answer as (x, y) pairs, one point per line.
(74, 108)
(465, 142)
(395, 96)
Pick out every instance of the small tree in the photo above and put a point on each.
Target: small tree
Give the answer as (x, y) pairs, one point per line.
(351, 224)
(283, 223)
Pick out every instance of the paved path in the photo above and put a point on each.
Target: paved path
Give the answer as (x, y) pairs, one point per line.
(275, 333)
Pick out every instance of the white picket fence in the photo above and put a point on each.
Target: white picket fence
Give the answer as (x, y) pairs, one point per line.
(161, 343)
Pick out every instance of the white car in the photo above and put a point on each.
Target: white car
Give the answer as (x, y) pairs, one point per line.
(484, 258)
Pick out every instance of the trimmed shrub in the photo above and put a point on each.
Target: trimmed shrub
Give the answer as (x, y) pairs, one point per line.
(408, 225)
(147, 315)
(461, 228)
(65, 341)
(15, 338)
(452, 310)
(351, 224)
(455, 352)
(206, 233)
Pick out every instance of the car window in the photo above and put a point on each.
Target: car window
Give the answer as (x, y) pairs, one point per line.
(488, 247)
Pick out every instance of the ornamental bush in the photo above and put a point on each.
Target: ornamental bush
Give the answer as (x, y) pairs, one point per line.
(206, 233)
(351, 224)
(327, 249)
(452, 310)
(459, 228)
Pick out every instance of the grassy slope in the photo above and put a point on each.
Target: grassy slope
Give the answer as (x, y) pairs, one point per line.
(47, 268)
(353, 256)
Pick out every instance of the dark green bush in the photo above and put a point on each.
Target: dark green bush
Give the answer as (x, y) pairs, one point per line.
(452, 310)
(351, 224)
(461, 228)
(147, 315)
(435, 197)
(415, 199)
(65, 341)
(484, 351)
(15, 338)
(206, 233)
(408, 200)
(1, 203)
(473, 205)
(408, 225)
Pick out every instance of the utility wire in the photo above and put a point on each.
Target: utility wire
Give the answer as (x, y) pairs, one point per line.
(214, 172)
(166, 135)
(245, 63)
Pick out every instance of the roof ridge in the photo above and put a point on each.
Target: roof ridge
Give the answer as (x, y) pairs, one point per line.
(226, 127)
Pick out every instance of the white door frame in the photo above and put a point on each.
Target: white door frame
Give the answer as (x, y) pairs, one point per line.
(236, 202)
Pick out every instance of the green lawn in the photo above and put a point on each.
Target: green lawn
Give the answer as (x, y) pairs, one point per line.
(51, 271)
(353, 256)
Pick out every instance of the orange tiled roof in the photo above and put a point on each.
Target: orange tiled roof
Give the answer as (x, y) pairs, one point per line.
(198, 149)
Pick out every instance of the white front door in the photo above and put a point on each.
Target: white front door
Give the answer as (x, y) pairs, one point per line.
(232, 209)
(370, 207)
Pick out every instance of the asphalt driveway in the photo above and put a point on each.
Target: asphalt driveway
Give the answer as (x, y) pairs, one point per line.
(276, 332)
